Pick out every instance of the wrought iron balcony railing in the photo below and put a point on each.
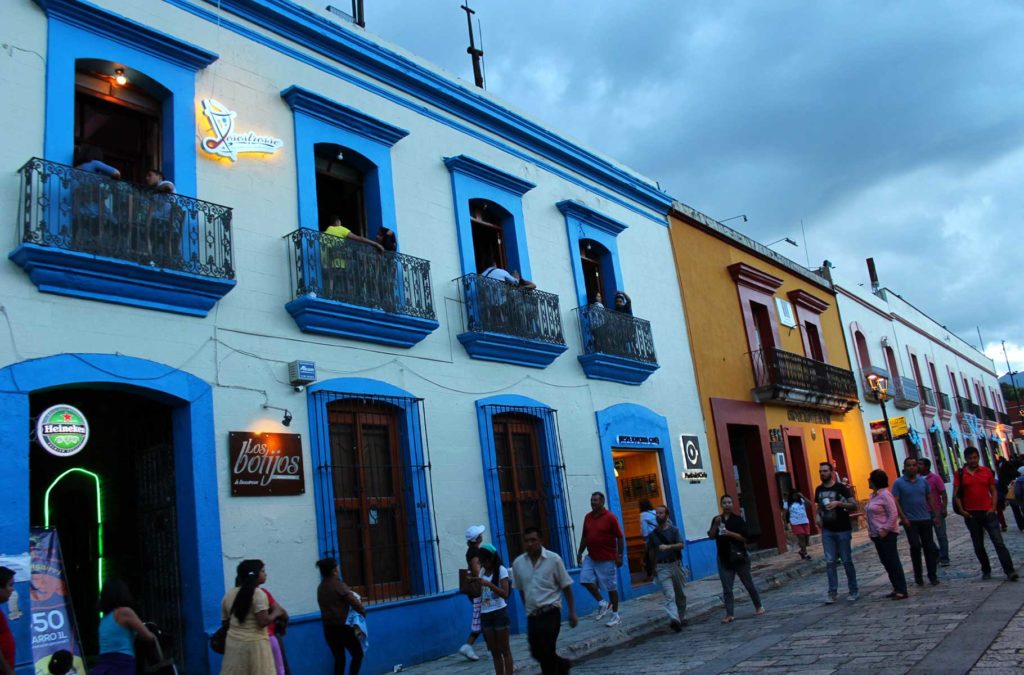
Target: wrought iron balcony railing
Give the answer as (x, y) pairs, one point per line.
(65, 208)
(905, 393)
(1002, 417)
(493, 306)
(944, 402)
(605, 331)
(967, 407)
(332, 268)
(928, 396)
(786, 376)
(989, 413)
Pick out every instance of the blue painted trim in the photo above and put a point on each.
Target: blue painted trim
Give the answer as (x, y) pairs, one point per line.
(195, 458)
(658, 216)
(79, 30)
(324, 109)
(556, 503)
(488, 174)
(509, 349)
(472, 179)
(701, 556)
(616, 368)
(83, 275)
(583, 222)
(89, 17)
(321, 120)
(416, 492)
(340, 319)
(630, 419)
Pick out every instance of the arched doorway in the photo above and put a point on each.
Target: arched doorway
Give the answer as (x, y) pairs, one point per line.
(146, 416)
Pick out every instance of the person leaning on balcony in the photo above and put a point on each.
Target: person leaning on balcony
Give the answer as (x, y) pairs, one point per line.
(90, 159)
(496, 300)
(158, 231)
(623, 303)
(514, 279)
(92, 201)
(333, 256)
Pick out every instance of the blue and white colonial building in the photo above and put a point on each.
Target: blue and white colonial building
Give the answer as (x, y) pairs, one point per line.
(257, 385)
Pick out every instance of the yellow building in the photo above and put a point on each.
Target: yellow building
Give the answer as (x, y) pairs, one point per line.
(773, 372)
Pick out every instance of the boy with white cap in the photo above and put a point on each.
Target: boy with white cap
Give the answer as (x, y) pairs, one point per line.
(474, 537)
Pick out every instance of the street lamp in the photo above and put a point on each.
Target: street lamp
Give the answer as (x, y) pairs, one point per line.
(880, 385)
(784, 239)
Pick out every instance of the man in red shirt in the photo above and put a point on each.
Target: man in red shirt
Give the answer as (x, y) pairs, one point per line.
(974, 487)
(604, 542)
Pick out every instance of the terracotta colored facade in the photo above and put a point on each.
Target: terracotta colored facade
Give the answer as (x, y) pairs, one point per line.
(773, 373)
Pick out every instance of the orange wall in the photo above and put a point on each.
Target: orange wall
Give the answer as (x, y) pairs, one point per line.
(720, 350)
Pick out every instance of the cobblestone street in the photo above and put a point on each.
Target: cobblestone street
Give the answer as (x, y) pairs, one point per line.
(963, 623)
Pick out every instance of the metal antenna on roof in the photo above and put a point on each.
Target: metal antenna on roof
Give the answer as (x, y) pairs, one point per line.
(483, 64)
(477, 54)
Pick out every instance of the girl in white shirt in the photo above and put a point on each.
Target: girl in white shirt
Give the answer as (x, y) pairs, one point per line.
(494, 590)
(799, 522)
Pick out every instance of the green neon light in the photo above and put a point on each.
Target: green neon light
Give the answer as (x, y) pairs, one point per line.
(99, 513)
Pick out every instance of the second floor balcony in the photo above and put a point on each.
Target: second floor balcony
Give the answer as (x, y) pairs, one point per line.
(792, 379)
(616, 346)
(87, 235)
(352, 290)
(905, 393)
(944, 403)
(510, 324)
(967, 407)
(988, 413)
(928, 396)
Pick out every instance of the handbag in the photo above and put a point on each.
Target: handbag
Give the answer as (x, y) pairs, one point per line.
(1011, 492)
(219, 639)
(468, 584)
(738, 554)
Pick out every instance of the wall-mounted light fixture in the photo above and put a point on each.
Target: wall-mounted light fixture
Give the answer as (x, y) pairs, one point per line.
(784, 239)
(742, 215)
(286, 420)
(119, 77)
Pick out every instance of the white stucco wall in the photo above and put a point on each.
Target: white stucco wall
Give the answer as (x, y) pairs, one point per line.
(222, 347)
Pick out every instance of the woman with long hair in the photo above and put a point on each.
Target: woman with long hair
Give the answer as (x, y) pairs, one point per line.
(730, 534)
(494, 591)
(118, 629)
(884, 530)
(336, 600)
(247, 611)
(799, 522)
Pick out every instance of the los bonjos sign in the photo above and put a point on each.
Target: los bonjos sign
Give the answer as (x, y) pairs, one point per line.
(62, 430)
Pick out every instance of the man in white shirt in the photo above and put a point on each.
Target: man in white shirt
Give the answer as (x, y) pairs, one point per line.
(541, 578)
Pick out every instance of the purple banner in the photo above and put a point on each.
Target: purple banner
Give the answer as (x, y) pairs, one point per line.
(53, 619)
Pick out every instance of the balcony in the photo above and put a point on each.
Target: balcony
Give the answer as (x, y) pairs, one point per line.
(349, 289)
(509, 324)
(791, 379)
(616, 346)
(944, 403)
(870, 394)
(927, 396)
(968, 408)
(988, 413)
(1002, 418)
(90, 236)
(905, 393)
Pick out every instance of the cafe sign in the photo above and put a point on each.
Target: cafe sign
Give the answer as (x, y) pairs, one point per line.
(693, 463)
(62, 430)
(265, 464)
(228, 143)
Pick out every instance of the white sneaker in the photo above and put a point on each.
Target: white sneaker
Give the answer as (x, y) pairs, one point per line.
(467, 651)
(602, 609)
(615, 620)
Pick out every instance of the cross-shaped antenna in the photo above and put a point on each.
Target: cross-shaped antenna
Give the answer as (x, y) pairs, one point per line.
(477, 54)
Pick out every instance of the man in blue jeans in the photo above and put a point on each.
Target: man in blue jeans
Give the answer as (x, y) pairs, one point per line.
(834, 502)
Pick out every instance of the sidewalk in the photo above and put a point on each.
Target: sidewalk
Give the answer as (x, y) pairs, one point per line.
(644, 616)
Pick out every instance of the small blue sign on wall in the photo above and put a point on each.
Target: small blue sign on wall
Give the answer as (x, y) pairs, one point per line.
(301, 372)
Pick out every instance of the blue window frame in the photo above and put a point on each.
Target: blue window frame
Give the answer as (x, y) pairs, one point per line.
(585, 225)
(408, 499)
(364, 140)
(549, 476)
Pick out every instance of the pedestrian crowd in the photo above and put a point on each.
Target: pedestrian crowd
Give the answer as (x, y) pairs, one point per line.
(254, 623)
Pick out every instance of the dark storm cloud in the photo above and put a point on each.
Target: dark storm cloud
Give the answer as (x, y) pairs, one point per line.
(894, 130)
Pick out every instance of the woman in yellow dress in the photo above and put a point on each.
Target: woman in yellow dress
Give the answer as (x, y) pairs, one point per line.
(247, 610)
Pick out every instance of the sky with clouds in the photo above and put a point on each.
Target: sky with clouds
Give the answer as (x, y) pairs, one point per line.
(892, 130)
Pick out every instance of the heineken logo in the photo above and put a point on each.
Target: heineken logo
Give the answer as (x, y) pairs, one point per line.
(62, 430)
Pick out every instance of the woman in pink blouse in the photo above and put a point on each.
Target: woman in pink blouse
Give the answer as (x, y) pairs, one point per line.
(883, 528)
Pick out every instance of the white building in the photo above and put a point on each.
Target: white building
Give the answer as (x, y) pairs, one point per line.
(944, 388)
(170, 323)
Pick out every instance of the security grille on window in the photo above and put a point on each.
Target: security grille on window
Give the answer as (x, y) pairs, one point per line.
(376, 516)
(530, 478)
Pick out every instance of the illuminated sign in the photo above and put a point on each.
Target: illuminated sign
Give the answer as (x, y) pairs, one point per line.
(62, 430)
(225, 141)
(265, 464)
(899, 426)
(693, 464)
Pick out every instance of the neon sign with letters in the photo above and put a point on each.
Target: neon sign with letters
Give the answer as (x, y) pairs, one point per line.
(225, 141)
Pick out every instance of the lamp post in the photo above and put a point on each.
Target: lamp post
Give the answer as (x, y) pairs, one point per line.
(880, 385)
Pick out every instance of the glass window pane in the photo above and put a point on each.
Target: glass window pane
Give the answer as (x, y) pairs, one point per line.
(385, 541)
(350, 546)
(377, 457)
(344, 469)
(526, 455)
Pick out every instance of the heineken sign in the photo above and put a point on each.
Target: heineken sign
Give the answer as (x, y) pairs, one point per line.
(62, 430)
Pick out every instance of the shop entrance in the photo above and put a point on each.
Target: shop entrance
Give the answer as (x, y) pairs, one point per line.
(638, 476)
(114, 507)
(752, 490)
(801, 474)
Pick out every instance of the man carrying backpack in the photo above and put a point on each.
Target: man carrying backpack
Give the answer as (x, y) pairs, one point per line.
(667, 547)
